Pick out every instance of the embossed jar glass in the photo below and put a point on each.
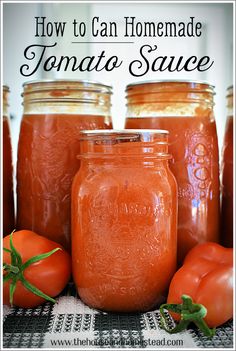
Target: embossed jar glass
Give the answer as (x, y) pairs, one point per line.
(124, 220)
(186, 110)
(8, 198)
(227, 175)
(54, 114)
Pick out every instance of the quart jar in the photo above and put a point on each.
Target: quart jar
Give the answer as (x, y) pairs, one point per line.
(185, 109)
(54, 114)
(227, 176)
(124, 220)
(8, 197)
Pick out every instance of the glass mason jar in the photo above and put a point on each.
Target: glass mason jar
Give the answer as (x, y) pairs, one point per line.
(124, 220)
(185, 109)
(227, 176)
(54, 114)
(8, 197)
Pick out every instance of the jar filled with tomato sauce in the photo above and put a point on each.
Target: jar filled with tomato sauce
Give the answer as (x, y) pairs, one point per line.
(8, 197)
(227, 176)
(185, 109)
(124, 220)
(54, 114)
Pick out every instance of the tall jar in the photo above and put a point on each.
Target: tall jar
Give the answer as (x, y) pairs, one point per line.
(185, 109)
(124, 220)
(8, 197)
(54, 114)
(227, 176)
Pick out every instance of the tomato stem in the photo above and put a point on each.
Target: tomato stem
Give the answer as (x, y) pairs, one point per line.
(15, 253)
(39, 258)
(35, 290)
(190, 312)
(15, 271)
(11, 268)
(12, 290)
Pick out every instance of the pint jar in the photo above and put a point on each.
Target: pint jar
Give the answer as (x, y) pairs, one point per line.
(227, 176)
(185, 109)
(54, 114)
(8, 198)
(124, 218)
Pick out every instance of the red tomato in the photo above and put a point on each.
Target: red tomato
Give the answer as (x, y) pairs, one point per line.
(206, 276)
(50, 275)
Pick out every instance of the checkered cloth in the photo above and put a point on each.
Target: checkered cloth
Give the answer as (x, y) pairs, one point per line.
(71, 324)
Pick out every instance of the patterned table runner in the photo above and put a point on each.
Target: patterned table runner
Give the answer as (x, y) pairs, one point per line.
(71, 324)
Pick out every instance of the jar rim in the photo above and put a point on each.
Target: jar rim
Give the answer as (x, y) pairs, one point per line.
(230, 91)
(188, 81)
(6, 88)
(123, 131)
(83, 81)
(150, 139)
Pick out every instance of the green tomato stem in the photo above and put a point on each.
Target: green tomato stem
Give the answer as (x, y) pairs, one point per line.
(11, 268)
(16, 269)
(12, 290)
(39, 258)
(35, 290)
(190, 312)
(17, 257)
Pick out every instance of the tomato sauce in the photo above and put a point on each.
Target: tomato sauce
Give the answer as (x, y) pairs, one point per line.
(194, 147)
(227, 186)
(8, 198)
(124, 222)
(47, 162)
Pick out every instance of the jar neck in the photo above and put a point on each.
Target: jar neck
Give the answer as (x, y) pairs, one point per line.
(230, 98)
(73, 97)
(169, 99)
(125, 162)
(137, 146)
(5, 93)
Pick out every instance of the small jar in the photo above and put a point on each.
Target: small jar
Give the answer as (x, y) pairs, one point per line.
(54, 114)
(124, 219)
(227, 176)
(185, 109)
(8, 197)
